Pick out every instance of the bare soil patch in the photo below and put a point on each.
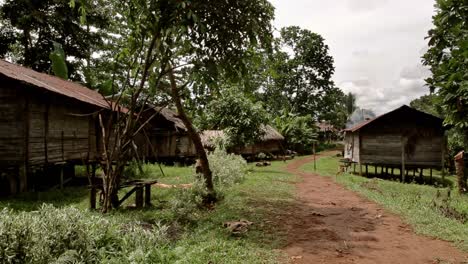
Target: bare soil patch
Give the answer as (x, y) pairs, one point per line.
(330, 224)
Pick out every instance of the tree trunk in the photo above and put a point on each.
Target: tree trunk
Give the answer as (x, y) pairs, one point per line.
(201, 153)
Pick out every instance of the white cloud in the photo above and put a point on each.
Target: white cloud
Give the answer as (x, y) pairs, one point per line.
(377, 44)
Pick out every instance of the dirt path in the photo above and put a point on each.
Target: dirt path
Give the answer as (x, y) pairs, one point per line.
(329, 224)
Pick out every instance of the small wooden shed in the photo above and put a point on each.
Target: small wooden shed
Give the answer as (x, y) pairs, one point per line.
(168, 136)
(403, 138)
(270, 143)
(45, 121)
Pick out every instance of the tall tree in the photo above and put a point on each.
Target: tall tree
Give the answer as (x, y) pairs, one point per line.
(170, 46)
(303, 70)
(429, 103)
(447, 58)
(29, 29)
(350, 103)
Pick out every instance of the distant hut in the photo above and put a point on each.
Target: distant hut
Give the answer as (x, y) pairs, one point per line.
(326, 131)
(45, 123)
(404, 138)
(270, 143)
(166, 136)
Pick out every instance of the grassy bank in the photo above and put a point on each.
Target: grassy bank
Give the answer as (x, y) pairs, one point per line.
(173, 231)
(428, 209)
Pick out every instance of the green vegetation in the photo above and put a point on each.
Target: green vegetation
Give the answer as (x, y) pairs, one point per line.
(427, 208)
(175, 230)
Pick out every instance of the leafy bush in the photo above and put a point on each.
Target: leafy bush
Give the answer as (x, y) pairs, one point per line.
(227, 168)
(68, 235)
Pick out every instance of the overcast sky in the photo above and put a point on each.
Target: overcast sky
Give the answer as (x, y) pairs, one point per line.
(377, 44)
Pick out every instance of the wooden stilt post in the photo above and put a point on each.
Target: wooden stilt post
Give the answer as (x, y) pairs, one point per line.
(360, 169)
(421, 172)
(442, 172)
(92, 198)
(430, 175)
(313, 149)
(139, 196)
(375, 170)
(367, 171)
(403, 144)
(147, 195)
(23, 179)
(61, 176)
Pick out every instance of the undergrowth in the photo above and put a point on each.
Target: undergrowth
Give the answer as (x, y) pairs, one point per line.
(174, 230)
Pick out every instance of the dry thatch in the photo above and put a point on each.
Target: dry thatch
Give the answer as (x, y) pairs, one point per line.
(171, 116)
(271, 134)
(209, 137)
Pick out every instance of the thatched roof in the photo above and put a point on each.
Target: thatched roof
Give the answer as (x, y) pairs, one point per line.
(172, 117)
(208, 137)
(271, 134)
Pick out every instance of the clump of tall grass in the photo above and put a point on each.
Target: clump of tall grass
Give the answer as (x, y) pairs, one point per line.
(69, 235)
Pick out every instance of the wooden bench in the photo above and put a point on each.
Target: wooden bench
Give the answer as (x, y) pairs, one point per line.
(141, 188)
(346, 163)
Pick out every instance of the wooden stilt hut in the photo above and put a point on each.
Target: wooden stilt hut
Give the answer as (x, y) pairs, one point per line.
(166, 137)
(45, 123)
(270, 143)
(404, 138)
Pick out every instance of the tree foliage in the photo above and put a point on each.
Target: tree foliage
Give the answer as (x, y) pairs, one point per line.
(350, 100)
(447, 58)
(236, 114)
(299, 131)
(30, 28)
(303, 70)
(430, 103)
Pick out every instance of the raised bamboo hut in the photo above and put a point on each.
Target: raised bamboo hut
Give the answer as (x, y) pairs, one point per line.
(166, 137)
(404, 138)
(45, 123)
(270, 143)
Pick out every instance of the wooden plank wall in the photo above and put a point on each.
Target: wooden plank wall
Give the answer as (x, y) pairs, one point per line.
(381, 148)
(60, 130)
(12, 114)
(386, 149)
(356, 147)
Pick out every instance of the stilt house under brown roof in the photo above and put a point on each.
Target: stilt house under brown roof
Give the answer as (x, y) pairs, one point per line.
(44, 121)
(168, 136)
(403, 138)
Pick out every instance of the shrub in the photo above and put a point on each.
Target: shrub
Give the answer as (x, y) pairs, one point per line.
(68, 235)
(227, 168)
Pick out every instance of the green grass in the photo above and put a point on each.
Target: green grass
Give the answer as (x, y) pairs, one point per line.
(414, 202)
(199, 238)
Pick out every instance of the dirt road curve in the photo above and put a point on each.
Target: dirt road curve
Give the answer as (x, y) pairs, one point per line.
(329, 224)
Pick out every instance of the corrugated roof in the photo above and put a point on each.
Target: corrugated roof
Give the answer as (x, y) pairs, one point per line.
(403, 107)
(52, 84)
